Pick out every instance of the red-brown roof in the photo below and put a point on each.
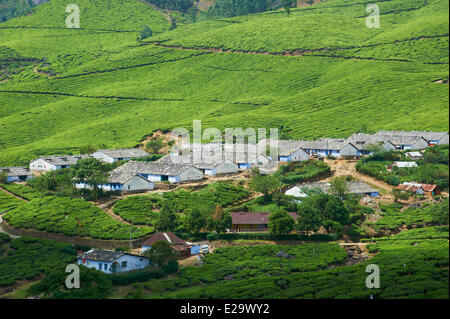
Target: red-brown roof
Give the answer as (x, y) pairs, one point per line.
(429, 187)
(242, 218)
(169, 237)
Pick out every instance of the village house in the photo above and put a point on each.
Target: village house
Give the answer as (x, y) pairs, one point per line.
(54, 162)
(366, 143)
(405, 164)
(111, 156)
(358, 188)
(253, 222)
(208, 166)
(330, 147)
(432, 138)
(111, 262)
(420, 189)
(404, 141)
(184, 248)
(16, 174)
(288, 150)
(160, 172)
(122, 182)
(414, 155)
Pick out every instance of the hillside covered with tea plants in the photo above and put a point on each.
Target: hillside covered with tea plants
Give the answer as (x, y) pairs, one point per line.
(316, 72)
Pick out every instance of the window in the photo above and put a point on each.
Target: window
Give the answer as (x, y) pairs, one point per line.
(100, 266)
(124, 264)
(106, 267)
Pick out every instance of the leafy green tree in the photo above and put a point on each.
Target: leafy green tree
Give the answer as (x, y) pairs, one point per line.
(339, 187)
(87, 149)
(91, 171)
(3, 178)
(168, 220)
(281, 223)
(145, 33)
(219, 221)
(265, 184)
(195, 220)
(336, 211)
(310, 218)
(161, 253)
(287, 4)
(154, 146)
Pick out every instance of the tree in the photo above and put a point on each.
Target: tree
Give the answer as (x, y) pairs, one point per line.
(219, 221)
(155, 145)
(336, 211)
(87, 149)
(281, 223)
(287, 4)
(339, 187)
(310, 218)
(265, 184)
(145, 33)
(3, 178)
(195, 220)
(167, 220)
(91, 171)
(161, 253)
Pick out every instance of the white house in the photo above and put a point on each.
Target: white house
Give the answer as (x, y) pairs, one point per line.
(122, 182)
(405, 164)
(111, 262)
(54, 162)
(111, 156)
(354, 187)
(404, 140)
(159, 172)
(16, 174)
(366, 142)
(414, 155)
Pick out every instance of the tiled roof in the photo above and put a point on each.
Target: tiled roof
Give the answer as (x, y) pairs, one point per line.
(121, 178)
(152, 168)
(426, 135)
(63, 159)
(124, 153)
(169, 237)
(15, 171)
(101, 255)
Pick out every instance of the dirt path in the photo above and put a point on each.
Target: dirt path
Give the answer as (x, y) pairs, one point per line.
(15, 195)
(4, 232)
(348, 168)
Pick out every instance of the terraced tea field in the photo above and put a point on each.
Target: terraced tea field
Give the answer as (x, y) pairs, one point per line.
(318, 72)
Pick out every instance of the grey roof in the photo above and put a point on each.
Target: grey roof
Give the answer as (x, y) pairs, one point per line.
(414, 154)
(124, 153)
(403, 139)
(63, 159)
(362, 141)
(325, 144)
(354, 187)
(426, 135)
(102, 255)
(164, 169)
(285, 147)
(15, 171)
(121, 178)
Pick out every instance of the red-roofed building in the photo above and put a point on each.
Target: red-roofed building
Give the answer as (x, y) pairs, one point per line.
(176, 242)
(253, 222)
(420, 189)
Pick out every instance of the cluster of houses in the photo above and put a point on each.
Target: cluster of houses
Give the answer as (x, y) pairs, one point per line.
(212, 159)
(111, 262)
(420, 189)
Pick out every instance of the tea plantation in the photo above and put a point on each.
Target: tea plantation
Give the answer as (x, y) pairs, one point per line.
(26, 258)
(410, 267)
(98, 85)
(62, 215)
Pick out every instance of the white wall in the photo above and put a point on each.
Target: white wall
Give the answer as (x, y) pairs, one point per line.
(41, 165)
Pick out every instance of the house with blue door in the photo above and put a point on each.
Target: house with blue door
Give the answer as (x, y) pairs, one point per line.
(162, 172)
(122, 182)
(287, 150)
(111, 262)
(329, 147)
(16, 174)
